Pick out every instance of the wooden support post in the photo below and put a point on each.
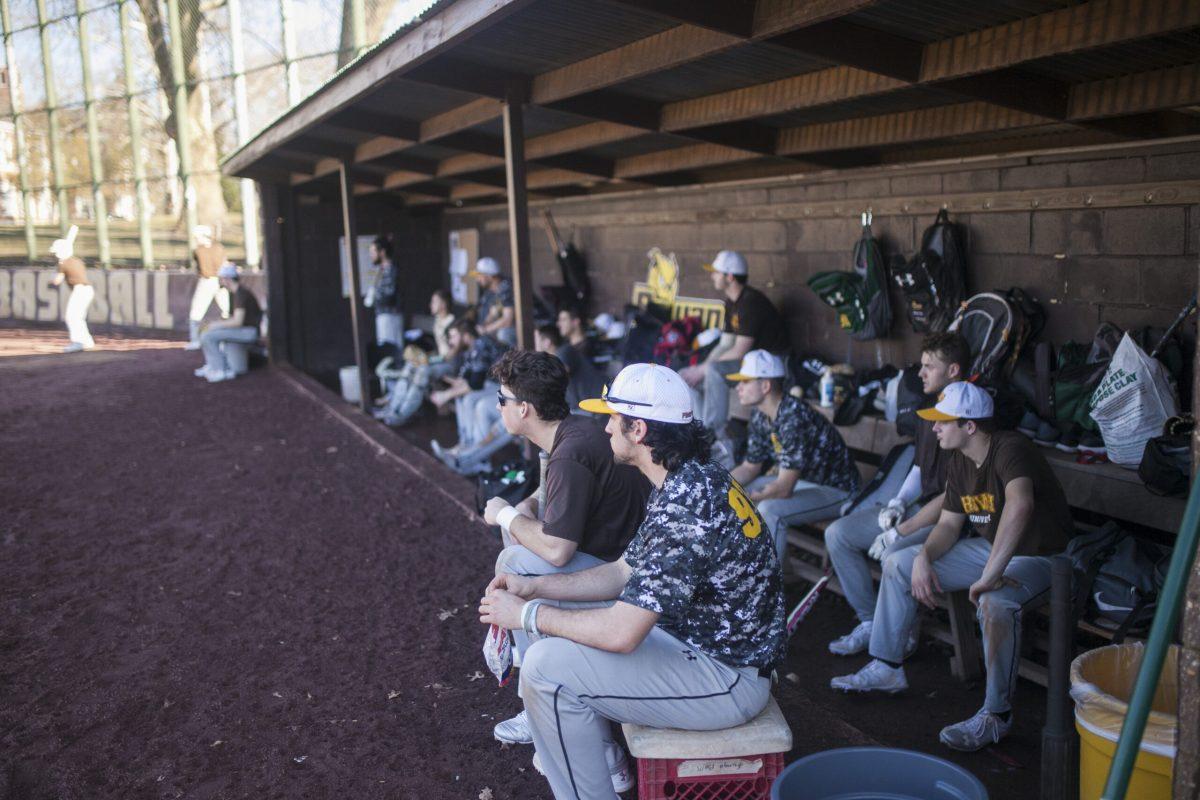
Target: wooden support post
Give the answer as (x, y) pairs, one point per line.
(518, 215)
(357, 310)
(968, 654)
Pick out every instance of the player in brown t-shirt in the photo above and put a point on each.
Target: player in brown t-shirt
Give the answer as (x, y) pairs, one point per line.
(1003, 485)
(208, 256)
(74, 272)
(593, 506)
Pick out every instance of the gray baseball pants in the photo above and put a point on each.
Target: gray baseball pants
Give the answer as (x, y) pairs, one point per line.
(573, 693)
(809, 502)
(517, 559)
(999, 612)
(847, 541)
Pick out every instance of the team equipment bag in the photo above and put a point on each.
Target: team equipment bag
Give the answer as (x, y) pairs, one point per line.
(1132, 402)
(934, 280)
(1166, 466)
(859, 298)
(1117, 576)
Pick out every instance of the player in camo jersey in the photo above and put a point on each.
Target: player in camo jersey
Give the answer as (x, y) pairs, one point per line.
(698, 619)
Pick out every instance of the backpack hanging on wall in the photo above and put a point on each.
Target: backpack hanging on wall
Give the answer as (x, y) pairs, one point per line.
(860, 297)
(996, 326)
(933, 281)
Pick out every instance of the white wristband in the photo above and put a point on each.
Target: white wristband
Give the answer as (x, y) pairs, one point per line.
(529, 617)
(506, 516)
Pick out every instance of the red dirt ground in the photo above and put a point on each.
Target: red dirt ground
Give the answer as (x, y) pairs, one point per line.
(224, 590)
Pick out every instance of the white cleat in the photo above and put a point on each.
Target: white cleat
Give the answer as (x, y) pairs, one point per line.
(874, 677)
(854, 642)
(975, 733)
(192, 346)
(202, 372)
(514, 731)
(220, 375)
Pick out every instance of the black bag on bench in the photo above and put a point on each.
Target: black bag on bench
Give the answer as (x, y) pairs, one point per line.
(1117, 577)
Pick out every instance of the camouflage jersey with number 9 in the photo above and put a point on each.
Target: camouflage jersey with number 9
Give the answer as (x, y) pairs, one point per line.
(700, 562)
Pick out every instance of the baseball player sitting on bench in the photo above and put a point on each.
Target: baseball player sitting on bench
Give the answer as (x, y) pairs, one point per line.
(593, 506)
(811, 472)
(1003, 485)
(698, 621)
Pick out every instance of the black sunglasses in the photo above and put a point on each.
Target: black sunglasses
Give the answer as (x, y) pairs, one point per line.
(608, 398)
(502, 398)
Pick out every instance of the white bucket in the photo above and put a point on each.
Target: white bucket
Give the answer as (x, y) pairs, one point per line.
(350, 388)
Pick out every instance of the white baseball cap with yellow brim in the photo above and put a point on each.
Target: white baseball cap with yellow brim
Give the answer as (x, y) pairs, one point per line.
(728, 262)
(960, 400)
(759, 365)
(645, 391)
(485, 266)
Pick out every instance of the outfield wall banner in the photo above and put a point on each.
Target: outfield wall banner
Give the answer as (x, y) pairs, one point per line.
(125, 298)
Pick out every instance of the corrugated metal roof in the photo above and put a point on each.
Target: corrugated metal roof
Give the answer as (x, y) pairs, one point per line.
(1123, 59)
(931, 20)
(731, 69)
(548, 35)
(413, 100)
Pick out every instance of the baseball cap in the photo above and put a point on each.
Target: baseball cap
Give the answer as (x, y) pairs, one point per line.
(960, 400)
(729, 262)
(646, 391)
(758, 364)
(227, 270)
(486, 266)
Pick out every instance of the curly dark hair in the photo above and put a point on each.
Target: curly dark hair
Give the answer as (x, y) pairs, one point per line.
(539, 379)
(951, 348)
(671, 444)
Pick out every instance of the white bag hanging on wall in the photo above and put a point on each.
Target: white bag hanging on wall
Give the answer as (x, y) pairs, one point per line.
(1131, 403)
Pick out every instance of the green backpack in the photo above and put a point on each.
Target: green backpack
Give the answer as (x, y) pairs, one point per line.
(859, 298)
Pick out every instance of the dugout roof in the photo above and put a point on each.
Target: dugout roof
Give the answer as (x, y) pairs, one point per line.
(624, 94)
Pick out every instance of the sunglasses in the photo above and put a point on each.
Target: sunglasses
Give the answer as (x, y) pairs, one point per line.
(502, 398)
(608, 398)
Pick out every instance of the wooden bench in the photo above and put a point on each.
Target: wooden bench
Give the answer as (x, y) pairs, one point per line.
(1093, 489)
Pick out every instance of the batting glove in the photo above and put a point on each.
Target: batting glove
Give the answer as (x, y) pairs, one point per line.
(893, 515)
(882, 542)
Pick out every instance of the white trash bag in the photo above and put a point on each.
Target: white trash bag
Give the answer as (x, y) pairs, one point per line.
(1131, 403)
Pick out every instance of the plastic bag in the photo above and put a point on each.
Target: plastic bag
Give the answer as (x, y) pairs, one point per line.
(1131, 403)
(497, 653)
(1102, 682)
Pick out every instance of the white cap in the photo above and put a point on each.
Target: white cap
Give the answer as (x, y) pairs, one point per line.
(603, 321)
(960, 400)
(615, 331)
(486, 266)
(227, 270)
(646, 391)
(759, 364)
(728, 262)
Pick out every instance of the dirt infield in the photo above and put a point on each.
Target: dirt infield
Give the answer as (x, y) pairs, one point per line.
(219, 591)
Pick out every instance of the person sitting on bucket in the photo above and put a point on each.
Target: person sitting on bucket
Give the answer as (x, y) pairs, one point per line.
(809, 471)
(698, 619)
(245, 315)
(1001, 483)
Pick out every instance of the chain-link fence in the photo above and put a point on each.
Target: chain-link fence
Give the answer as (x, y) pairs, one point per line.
(89, 129)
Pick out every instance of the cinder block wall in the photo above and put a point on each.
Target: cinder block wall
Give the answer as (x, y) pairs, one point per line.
(1107, 234)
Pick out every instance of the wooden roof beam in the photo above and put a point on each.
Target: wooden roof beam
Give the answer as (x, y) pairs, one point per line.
(732, 17)
(378, 124)
(463, 76)
(847, 44)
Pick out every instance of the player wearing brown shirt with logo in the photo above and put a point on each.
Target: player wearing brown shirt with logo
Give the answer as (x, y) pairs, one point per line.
(1004, 486)
(209, 256)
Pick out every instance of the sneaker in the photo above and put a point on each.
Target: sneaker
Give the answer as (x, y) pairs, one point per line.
(874, 677)
(73, 347)
(1029, 424)
(622, 778)
(444, 454)
(202, 372)
(192, 346)
(979, 731)
(1047, 435)
(854, 642)
(217, 376)
(1068, 442)
(514, 731)
(1091, 443)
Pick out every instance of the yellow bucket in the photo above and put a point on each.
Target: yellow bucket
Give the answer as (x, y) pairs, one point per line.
(1101, 683)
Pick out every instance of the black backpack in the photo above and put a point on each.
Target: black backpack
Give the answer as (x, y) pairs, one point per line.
(933, 282)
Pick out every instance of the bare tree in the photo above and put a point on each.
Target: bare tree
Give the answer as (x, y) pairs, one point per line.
(206, 178)
(377, 14)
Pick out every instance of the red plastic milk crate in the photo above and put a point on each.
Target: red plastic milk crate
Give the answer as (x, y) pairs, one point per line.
(708, 778)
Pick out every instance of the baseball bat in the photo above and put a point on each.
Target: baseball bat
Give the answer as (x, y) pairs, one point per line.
(806, 605)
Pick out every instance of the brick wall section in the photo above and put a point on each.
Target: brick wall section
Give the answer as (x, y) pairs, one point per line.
(1128, 265)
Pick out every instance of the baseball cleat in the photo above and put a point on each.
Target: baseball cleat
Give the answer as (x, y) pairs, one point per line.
(73, 347)
(192, 346)
(220, 375)
(874, 677)
(202, 372)
(514, 731)
(975, 733)
(854, 642)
